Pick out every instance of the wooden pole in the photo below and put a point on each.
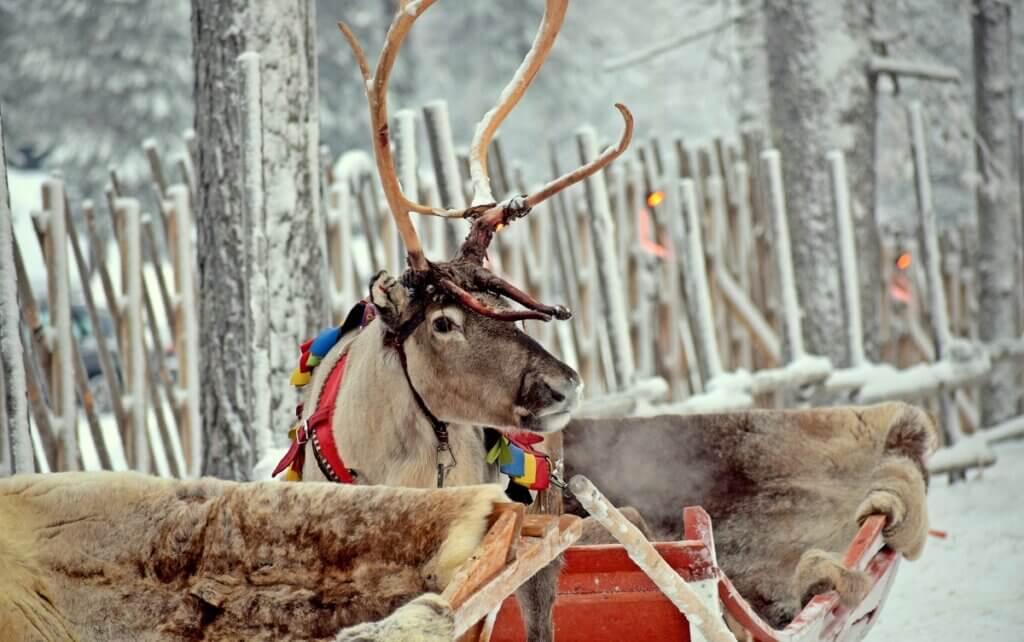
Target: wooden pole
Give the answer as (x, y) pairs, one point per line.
(697, 277)
(254, 158)
(61, 362)
(783, 254)
(938, 312)
(702, 613)
(847, 258)
(186, 341)
(606, 263)
(127, 220)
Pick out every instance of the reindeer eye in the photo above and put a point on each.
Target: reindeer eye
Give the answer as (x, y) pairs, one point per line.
(443, 324)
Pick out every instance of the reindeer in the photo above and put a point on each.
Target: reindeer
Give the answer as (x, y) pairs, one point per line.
(443, 357)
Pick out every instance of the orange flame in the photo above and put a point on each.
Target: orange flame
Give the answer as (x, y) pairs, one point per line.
(655, 198)
(904, 261)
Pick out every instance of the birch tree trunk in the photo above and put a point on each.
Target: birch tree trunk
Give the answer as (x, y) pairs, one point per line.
(12, 367)
(998, 199)
(823, 98)
(291, 262)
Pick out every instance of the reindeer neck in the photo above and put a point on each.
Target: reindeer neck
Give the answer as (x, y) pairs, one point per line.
(381, 432)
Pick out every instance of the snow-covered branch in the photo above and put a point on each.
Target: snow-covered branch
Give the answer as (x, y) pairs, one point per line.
(908, 69)
(655, 50)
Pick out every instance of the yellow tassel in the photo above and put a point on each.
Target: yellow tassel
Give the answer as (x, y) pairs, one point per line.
(300, 378)
(292, 475)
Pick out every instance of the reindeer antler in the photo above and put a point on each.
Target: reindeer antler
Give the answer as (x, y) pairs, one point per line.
(466, 270)
(551, 23)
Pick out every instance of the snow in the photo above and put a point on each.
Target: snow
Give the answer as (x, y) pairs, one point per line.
(968, 586)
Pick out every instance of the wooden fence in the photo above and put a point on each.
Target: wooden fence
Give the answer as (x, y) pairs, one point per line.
(676, 262)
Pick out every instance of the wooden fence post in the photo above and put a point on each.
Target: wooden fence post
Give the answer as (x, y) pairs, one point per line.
(127, 220)
(933, 267)
(603, 237)
(847, 258)
(697, 279)
(60, 366)
(258, 368)
(186, 335)
(791, 311)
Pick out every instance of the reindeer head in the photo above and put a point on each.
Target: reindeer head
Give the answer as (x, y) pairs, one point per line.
(451, 322)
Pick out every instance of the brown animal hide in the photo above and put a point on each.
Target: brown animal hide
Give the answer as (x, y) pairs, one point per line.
(777, 485)
(123, 556)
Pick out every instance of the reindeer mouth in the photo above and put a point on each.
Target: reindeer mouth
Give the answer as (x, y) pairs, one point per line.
(555, 421)
(551, 418)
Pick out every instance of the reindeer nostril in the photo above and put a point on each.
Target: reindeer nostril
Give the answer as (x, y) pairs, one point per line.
(557, 396)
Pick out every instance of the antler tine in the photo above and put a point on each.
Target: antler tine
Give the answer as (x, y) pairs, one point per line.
(551, 23)
(502, 213)
(470, 301)
(377, 98)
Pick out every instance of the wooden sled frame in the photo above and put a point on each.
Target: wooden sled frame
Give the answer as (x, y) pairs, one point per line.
(823, 618)
(514, 549)
(645, 594)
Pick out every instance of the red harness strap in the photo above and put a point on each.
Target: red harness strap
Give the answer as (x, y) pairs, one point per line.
(317, 429)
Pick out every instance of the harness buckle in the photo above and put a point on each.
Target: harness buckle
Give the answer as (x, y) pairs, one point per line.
(444, 469)
(303, 433)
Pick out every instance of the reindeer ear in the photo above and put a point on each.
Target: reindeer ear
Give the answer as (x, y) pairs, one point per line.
(390, 297)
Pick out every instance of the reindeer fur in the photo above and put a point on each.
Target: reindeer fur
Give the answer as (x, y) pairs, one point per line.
(123, 556)
(785, 489)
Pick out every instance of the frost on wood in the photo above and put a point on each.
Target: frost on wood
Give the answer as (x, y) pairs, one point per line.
(703, 614)
(253, 199)
(15, 402)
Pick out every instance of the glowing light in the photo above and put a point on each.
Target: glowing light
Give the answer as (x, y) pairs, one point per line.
(499, 227)
(904, 261)
(899, 293)
(655, 198)
(645, 233)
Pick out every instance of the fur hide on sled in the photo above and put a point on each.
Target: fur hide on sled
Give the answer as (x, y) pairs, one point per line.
(786, 490)
(123, 556)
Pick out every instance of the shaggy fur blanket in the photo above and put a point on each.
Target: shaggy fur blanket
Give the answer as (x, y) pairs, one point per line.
(123, 556)
(786, 490)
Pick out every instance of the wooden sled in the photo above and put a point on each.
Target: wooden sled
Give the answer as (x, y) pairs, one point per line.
(604, 596)
(515, 548)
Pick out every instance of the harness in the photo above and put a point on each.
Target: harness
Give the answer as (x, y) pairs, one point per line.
(528, 468)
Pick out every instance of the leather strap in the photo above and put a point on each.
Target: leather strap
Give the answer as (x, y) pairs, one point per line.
(440, 428)
(317, 429)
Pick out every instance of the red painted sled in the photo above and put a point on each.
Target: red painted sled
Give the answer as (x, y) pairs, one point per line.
(604, 596)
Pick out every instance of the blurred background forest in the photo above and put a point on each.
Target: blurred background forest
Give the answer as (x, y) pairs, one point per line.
(84, 82)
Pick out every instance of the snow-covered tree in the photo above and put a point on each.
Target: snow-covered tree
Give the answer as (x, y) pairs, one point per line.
(261, 264)
(13, 402)
(83, 83)
(823, 98)
(998, 198)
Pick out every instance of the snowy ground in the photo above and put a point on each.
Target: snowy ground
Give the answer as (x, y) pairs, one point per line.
(969, 586)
